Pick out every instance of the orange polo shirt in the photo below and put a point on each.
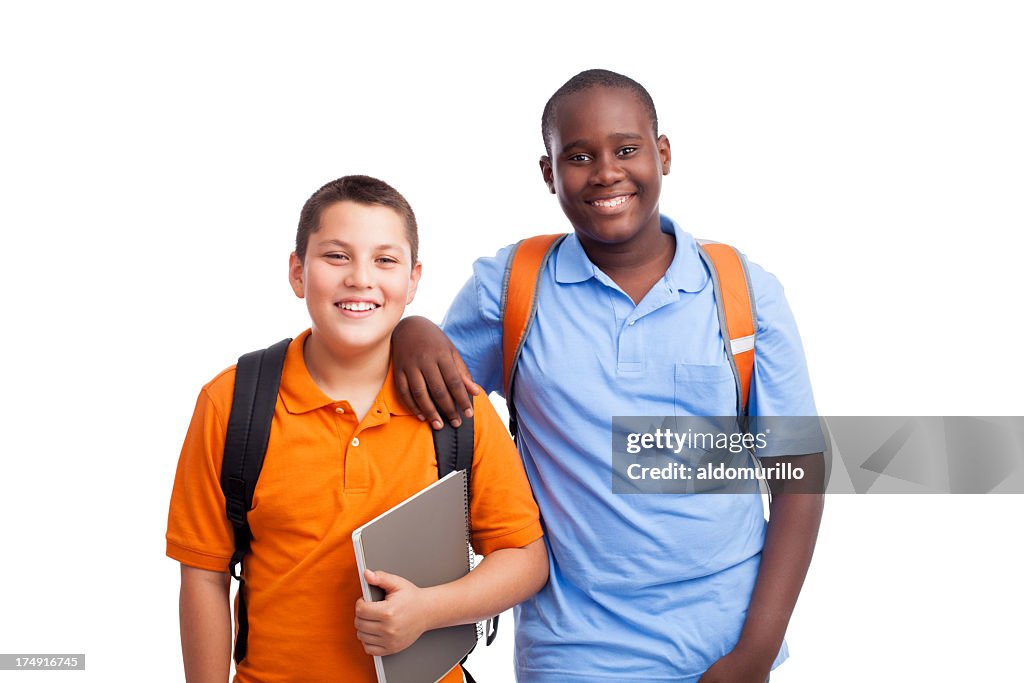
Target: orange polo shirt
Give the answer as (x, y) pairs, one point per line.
(326, 473)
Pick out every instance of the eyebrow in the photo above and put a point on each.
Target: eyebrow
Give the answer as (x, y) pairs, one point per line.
(614, 136)
(346, 245)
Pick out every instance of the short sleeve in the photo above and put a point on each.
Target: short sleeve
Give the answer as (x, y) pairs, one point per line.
(473, 321)
(198, 531)
(781, 384)
(502, 510)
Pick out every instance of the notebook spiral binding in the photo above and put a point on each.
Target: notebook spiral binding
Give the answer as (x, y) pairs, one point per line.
(471, 557)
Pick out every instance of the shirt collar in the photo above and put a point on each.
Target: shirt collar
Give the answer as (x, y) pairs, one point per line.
(388, 397)
(572, 264)
(686, 272)
(300, 393)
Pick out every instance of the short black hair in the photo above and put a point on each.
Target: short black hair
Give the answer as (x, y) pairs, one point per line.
(592, 78)
(360, 189)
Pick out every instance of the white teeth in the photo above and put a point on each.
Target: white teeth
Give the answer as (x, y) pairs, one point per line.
(357, 306)
(610, 203)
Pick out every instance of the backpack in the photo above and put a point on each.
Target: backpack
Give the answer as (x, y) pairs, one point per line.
(257, 380)
(733, 297)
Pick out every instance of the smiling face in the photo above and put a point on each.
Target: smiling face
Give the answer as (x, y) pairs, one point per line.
(606, 166)
(357, 277)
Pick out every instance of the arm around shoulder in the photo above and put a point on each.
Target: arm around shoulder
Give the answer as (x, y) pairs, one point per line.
(429, 373)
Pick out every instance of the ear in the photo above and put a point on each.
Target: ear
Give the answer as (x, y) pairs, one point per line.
(295, 275)
(665, 152)
(414, 282)
(548, 173)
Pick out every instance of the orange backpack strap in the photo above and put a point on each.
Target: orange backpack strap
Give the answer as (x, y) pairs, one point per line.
(519, 299)
(736, 313)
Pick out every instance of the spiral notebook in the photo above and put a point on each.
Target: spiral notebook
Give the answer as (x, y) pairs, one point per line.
(424, 539)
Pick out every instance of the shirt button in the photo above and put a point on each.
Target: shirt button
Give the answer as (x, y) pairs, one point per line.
(630, 323)
(339, 411)
(355, 441)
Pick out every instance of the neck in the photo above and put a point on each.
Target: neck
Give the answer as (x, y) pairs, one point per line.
(649, 252)
(343, 374)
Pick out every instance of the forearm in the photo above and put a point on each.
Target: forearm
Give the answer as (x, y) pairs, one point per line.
(794, 518)
(205, 619)
(504, 578)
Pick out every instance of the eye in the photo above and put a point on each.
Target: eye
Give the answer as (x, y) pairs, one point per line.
(627, 150)
(387, 260)
(580, 158)
(336, 256)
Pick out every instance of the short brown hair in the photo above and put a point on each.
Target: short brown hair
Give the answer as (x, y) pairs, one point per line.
(361, 189)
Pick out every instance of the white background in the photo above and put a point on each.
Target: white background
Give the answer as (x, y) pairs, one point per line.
(153, 162)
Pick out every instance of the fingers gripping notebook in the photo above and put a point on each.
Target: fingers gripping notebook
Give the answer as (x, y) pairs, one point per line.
(424, 539)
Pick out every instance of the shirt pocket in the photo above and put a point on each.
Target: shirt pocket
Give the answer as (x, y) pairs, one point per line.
(704, 390)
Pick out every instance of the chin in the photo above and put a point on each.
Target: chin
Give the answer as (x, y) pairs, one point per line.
(352, 342)
(611, 233)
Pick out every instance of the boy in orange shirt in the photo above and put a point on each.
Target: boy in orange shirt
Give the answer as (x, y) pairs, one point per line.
(342, 450)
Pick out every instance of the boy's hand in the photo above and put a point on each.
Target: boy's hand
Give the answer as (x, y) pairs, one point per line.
(428, 370)
(739, 666)
(394, 623)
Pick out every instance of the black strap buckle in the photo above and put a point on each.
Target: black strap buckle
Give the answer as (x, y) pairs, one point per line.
(491, 629)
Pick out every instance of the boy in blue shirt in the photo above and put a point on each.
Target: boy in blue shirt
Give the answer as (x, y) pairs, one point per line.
(656, 587)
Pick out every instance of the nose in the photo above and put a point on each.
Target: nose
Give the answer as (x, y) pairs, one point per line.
(359, 275)
(606, 170)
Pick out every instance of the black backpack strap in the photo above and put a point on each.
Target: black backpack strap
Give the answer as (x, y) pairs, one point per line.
(454, 450)
(257, 380)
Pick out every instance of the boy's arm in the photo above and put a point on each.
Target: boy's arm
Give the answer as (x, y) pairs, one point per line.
(204, 611)
(505, 529)
(504, 578)
(428, 369)
(427, 366)
(794, 518)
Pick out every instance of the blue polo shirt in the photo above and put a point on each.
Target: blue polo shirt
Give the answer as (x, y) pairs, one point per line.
(642, 586)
